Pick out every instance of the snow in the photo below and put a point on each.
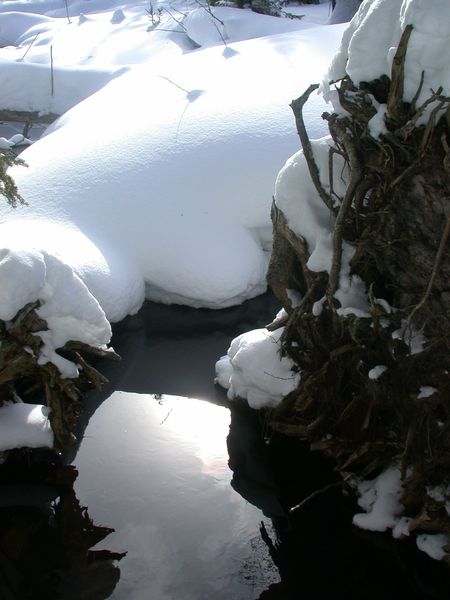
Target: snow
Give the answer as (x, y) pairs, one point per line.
(377, 124)
(414, 339)
(426, 391)
(164, 170)
(70, 310)
(24, 425)
(369, 44)
(439, 493)
(310, 219)
(294, 297)
(401, 528)
(344, 10)
(380, 499)
(433, 544)
(223, 24)
(377, 371)
(15, 140)
(254, 369)
(28, 87)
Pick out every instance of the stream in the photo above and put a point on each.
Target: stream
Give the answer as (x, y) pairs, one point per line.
(197, 497)
(153, 461)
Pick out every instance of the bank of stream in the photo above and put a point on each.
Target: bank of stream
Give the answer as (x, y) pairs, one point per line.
(198, 491)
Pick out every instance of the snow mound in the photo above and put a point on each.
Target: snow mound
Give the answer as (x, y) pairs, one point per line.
(174, 170)
(14, 24)
(255, 370)
(212, 26)
(70, 310)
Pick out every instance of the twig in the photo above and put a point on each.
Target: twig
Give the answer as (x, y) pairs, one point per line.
(406, 130)
(166, 417)
(277, 323)
(172, 7)
(29, 47)
(431, 123)
(406, 172)
(281, 378)
(297, 108)
(52, 82)
(175, 84)
(67, 12)
(178, 21)
(314, 495)
(417, 94)
(331, 153)
(208, 9)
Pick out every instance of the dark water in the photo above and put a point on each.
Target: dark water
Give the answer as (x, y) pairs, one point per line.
(197, 497)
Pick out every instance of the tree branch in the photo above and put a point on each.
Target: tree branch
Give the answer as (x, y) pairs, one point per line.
(297, 108)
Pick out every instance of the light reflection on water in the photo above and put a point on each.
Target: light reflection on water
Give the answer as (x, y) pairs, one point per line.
(201, 425)
(156, 469)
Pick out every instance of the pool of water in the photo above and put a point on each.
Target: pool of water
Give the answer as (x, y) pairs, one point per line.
(156, 470)
(153, 462)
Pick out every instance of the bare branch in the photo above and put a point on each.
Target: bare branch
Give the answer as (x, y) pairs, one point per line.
(297, 108)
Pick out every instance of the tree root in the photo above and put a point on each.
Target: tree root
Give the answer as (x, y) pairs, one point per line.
(22, 375)
(396, 202)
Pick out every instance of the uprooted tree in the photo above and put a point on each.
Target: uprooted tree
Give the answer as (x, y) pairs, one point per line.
(371, 395)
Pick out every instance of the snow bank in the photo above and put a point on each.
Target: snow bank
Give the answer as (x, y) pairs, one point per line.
(255, 371)
(221, 25)
(33, 87)
(24, 426)
(175, 170)
(370, 42)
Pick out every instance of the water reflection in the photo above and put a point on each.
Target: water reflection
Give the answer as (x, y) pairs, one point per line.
(46, 536)
(157, 470)
(203, 426)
